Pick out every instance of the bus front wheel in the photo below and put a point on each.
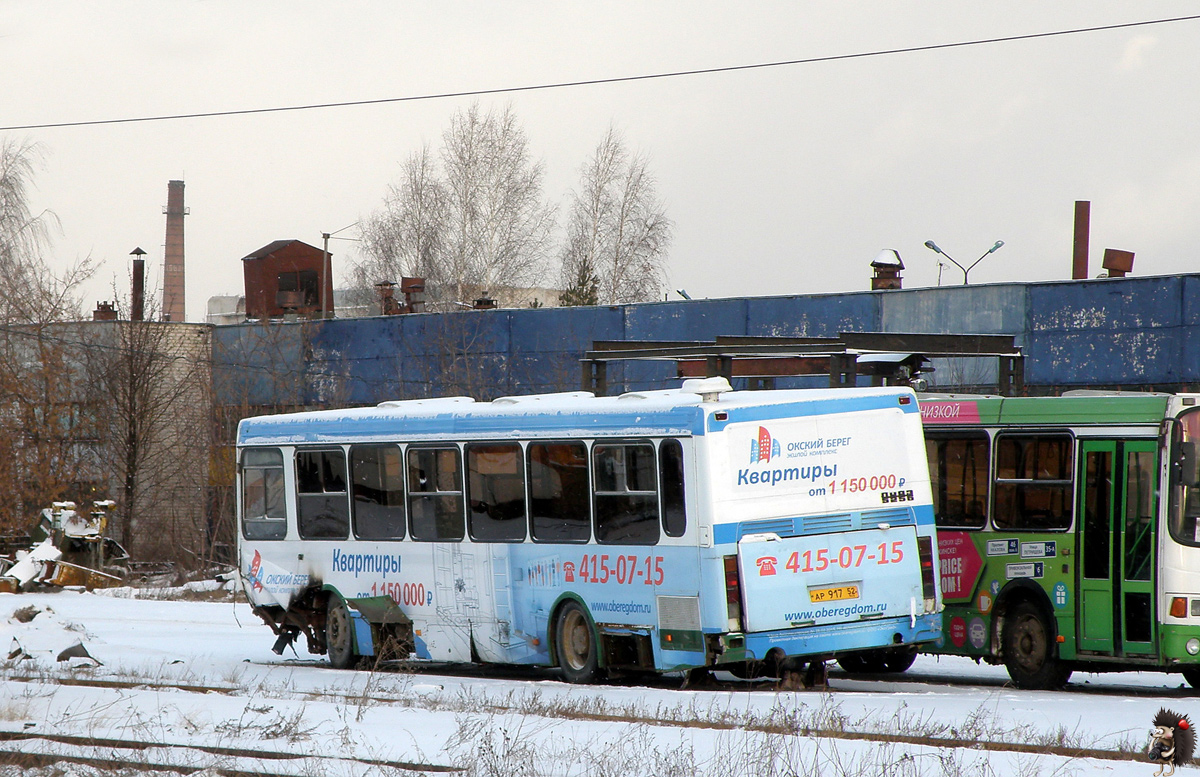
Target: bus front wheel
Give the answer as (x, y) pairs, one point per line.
(339, 641)
(1029, 650)
(575, 644)
(1192, 675)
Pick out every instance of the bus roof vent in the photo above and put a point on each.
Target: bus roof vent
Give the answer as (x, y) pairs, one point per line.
(709, 389)
(402, 403)
(560, 395)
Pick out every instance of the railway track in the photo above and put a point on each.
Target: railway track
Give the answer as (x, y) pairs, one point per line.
(28, 749)
(31, 748)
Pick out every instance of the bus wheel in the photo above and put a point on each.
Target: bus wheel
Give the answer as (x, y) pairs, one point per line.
(899, 659)
(339, 641)
(854, 663)
(575, 645)
(1192, 675)
(1029, 649)
(744, 670)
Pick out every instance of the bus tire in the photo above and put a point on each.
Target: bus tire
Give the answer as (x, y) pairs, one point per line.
(744, 670)
(1029, 650)
(854, 663)
(899, 659)
(1192, 675)
(339, 637)
(575, 644)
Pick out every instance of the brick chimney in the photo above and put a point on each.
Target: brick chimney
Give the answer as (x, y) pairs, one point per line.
(173, 290)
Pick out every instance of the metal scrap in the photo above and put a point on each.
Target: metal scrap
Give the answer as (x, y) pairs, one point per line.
(70, 549)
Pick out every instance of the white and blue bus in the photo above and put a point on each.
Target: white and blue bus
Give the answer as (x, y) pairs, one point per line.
(655, 531)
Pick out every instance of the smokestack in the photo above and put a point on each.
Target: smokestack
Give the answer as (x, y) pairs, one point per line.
(173, 265)
(1083, 221)
(138, 297)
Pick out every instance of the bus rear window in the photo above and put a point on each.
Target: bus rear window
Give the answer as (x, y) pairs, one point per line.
(377, 485)
(496, 493)
(559, 507)
(264, 515)
(435, 504)
(958, 476)
(1034, 482)
(626, 494)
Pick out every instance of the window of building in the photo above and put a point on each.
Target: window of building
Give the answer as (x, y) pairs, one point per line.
(322, 501)
(264, 513)
(626, 494)
(496, 492)
(559, 494)
(435, 498)
(377, 488)
(300, 287)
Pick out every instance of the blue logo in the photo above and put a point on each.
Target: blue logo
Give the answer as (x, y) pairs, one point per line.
(1060, 594)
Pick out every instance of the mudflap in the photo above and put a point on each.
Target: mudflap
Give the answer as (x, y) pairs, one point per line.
(380, 627)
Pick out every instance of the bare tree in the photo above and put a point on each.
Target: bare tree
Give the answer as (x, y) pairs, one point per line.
(617, 232)
(476, 222)
(407, 236)
(46, 439)
(30, 292)
(148, 380)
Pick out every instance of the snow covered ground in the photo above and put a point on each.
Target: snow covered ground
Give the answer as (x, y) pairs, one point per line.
(198, 680)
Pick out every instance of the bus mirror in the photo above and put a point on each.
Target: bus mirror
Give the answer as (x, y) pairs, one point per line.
(1189, 461)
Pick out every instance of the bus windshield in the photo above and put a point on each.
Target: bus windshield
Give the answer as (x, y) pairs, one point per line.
(1185, 479)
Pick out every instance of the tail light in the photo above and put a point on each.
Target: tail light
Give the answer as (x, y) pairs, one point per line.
(925, 553)
(1179, 607)
(733, 593)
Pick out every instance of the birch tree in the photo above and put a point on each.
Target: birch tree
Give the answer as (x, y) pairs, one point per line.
(44, 411)
(472, 219)
(407, 237)
(617, 231)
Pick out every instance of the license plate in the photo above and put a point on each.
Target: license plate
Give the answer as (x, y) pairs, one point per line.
(833, 594)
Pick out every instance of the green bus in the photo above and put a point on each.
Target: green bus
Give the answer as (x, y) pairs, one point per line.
(1067, 532)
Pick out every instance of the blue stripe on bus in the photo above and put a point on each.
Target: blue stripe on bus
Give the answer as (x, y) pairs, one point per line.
(819, 407)
(605, 417)
(385, 425)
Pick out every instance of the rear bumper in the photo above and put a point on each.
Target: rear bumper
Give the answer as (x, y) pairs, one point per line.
(844, 637)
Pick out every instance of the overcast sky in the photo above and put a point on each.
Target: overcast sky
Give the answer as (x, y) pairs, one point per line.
(780, 180)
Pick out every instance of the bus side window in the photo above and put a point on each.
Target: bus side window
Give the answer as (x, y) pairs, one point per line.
(495, 492)
(264, 514)
(670, 468)
(626, 494)
(435, 504)
(377, 487)
(958, 477)
(322, 501)
(1034, 482)
(559, 495)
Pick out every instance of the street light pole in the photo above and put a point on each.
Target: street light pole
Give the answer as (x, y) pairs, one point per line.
(325, 262)
(932, 246)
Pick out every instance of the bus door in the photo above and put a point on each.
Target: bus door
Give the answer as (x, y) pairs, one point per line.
(1116, 504)
(1097, 488)
(1137, 547)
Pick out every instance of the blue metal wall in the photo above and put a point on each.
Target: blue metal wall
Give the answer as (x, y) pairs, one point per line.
(1131, 332)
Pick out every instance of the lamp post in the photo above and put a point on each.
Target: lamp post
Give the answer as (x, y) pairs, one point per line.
(932, 246)
(325, 262)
